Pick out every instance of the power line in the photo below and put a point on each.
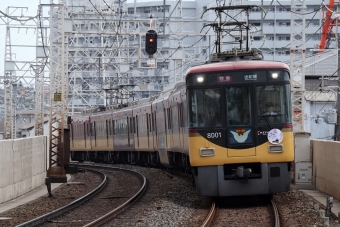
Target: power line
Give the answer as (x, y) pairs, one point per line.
(16, 18)
(297, 12)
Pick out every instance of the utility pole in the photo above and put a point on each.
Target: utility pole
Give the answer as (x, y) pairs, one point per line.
(10, 90)
(337, 125)
(59, 137)
(297, 68)
(297, 63)
(39, 69)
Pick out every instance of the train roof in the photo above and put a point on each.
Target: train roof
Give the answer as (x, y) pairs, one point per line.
(236, 65)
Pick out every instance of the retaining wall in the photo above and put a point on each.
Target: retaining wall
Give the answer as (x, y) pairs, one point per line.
(23, 164)
(326, 166)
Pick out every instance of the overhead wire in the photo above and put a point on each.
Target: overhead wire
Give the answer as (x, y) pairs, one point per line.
(282, 48)
(297, 12)
(16, 18)
(201, 37)
(183, 48)
(42, 41)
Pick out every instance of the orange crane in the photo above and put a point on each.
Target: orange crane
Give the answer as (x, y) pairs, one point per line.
(328, 23)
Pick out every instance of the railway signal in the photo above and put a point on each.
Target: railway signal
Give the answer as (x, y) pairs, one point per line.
(151, 42)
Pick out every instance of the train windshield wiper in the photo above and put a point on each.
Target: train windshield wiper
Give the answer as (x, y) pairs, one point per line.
(266, 118)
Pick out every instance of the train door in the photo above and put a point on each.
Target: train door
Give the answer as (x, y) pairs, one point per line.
(184, 120)
(160, 124)
(181, 124)
(137, 131)
(154, 124)
(128, 131)
(175, 115)
(240, 123)
(148, 127)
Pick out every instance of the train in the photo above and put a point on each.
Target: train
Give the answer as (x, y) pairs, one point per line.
(229, 125)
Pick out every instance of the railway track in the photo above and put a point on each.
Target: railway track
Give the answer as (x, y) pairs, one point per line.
(100, 205)
(224, 216)
(68, 207)
(108, 216)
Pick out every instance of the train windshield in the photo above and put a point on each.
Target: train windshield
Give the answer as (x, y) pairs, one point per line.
(238, 106)
(205, 108)
(233, 103)
(273, 103)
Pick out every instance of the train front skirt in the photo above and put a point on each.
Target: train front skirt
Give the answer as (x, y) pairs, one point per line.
(269, 178)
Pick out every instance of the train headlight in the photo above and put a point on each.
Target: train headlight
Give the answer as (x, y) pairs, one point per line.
(200, 79)
(277, 148)
(275, 75)
(205, 152)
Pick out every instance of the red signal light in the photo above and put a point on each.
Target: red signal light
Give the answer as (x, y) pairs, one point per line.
(151, 42)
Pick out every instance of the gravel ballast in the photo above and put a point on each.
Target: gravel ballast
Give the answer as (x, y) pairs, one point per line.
(168, 201)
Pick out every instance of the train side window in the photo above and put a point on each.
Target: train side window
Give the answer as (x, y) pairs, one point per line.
(71, 131)
(110, 127)
(113, 127)
(155, 122)
(174, 116)
(150, 122)
(107, 128)
(94, 129)
(166, 120)
(147, 122)
(185, 114)
(137, 126)
(134, 125)
(126, 125)
(169, 118)
(180, 114)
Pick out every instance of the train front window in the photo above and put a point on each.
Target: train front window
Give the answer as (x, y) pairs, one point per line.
(238, 106)
(205, 109)
(273, 104)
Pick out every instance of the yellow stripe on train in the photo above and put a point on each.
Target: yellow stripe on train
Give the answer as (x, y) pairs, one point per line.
(224, 155)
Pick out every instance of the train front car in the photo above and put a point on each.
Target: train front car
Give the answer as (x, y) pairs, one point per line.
(240, 129)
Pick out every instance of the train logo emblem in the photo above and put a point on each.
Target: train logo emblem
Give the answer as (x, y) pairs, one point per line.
(240, 135)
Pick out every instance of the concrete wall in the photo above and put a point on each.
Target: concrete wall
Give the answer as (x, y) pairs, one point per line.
(23, 166)
(326, 166)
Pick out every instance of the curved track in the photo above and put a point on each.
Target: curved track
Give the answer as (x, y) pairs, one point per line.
(276, 213)
(72, 205)
(106, 217)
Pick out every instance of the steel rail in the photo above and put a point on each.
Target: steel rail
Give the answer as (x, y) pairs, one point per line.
(208, 220)
(276, 213)
(64, 209)
(107, 217)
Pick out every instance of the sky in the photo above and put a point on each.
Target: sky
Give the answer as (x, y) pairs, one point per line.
(18, 36)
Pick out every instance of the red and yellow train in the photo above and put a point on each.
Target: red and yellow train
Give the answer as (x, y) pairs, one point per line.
(229, 125)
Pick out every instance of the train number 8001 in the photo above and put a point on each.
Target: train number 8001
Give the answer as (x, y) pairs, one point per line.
(213, 135)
